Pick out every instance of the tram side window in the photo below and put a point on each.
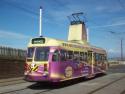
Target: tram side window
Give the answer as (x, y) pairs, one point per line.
(76, 56)
(55, 56)
(82, 56)
(63, 55)
(99, 57)
(105, 58)
(70, 55)
(96, 57)
(85, 56)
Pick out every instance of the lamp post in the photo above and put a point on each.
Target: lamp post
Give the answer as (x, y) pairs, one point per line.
(121, 43)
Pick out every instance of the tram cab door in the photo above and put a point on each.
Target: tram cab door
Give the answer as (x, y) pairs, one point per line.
(55, 63)
(89, 57)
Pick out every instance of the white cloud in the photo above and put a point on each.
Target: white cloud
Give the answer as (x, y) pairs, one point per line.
(66, 10)
(100, 8)
(104, 8)
(12, 35)
(109, 25)
(113, 51)
(12, 39)
(107, 9)
(119, 21)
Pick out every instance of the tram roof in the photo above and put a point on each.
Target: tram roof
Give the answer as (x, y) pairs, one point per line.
(64, 44)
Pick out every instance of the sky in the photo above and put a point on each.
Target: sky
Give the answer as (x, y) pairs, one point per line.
(105, 19)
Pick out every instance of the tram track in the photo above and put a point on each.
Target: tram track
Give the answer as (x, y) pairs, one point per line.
(108, 84)
(34, 88)
(44, 92)
(49, 90)
(19, 91)
(123, 92)
(11, 81)
(15, 88)
(12, 91)
(26, 90)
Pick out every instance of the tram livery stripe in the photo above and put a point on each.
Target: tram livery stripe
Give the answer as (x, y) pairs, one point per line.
(35, 68)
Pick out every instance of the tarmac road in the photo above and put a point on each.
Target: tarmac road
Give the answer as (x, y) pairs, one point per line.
(112, 83)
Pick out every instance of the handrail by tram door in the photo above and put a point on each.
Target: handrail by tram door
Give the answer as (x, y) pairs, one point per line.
(92, 63)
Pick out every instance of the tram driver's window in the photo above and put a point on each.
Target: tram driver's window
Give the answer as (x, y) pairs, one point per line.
(55, 56)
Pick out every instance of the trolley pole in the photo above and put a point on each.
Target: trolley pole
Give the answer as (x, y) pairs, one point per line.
(121, 49)
(40, 22)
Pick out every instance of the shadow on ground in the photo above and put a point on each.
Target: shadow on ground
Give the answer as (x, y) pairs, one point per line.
(50, 86)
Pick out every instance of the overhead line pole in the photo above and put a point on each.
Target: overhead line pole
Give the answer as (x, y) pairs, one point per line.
(121, 49)
(121, 44)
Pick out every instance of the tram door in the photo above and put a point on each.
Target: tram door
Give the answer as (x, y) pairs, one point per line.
(55, 64)
(90, 57)
(91, 61)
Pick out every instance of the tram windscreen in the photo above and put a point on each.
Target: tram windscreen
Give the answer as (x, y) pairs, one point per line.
(41, 54)
(30, 52)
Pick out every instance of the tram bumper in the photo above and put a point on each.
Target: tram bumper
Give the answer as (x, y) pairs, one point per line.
(34, 76)
(37, 77)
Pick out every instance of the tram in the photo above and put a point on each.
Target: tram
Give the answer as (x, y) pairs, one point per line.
(55, 60)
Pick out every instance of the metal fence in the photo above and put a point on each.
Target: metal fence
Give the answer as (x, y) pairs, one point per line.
(12, 53)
